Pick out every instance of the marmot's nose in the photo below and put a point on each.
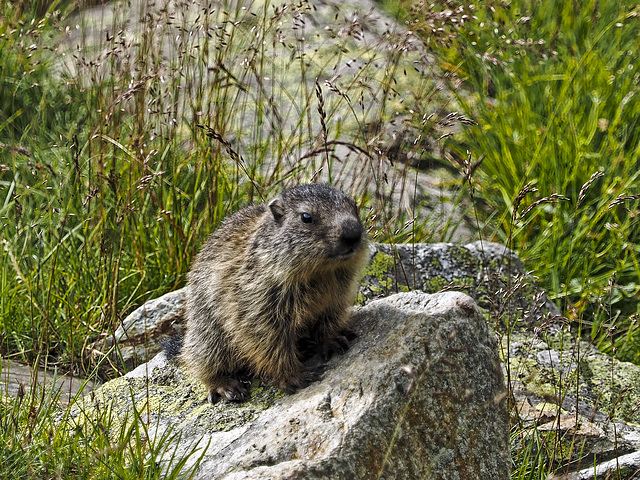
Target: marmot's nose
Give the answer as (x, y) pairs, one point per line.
(351, 235)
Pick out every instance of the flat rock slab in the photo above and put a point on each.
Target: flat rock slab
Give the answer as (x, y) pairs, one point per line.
(420, 394)
(16, 379)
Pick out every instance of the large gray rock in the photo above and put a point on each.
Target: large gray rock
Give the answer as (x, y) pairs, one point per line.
(420, 394)
(489, 272)
(582, 404)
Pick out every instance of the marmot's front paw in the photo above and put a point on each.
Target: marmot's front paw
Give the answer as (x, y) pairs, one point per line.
(231, 389)
(308, 376)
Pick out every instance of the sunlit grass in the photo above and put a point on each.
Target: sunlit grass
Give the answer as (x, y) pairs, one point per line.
(38, 440)
(125, 137)
(553, 87)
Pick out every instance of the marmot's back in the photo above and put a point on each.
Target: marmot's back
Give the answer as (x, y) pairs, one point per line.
(271, 275)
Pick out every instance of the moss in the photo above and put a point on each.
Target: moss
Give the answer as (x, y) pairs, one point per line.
(612, 379)
(379, 268)
(435, 284)
(549, 408)
(561, 444)
(541, 382)
(380, 278)
(467, 281)
(603, 383)
(435, 264)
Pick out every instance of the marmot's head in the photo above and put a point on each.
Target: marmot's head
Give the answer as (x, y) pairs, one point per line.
(317, 226)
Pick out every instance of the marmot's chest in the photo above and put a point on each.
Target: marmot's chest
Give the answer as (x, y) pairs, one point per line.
(313, 296)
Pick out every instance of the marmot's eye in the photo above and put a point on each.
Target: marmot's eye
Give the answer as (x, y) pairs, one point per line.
(306, 217)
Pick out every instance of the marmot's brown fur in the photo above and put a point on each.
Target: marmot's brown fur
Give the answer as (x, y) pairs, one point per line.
(270, 276)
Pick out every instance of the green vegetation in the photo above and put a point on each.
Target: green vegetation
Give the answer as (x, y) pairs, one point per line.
(118, 157)
(554, 89)
(124, 141)
(35, 444)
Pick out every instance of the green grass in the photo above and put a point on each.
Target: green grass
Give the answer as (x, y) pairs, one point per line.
(553, 160)
(553, 87)
(108, 185)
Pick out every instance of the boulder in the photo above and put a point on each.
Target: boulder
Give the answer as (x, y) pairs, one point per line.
(490, 273)
(626, 467)
(581, 403)
(420, 394)
(17, 379)
(142, 334)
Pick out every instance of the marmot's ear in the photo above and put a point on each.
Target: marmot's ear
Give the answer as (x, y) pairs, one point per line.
(277, 209)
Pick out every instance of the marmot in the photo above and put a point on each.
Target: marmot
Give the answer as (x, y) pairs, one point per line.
(273, 275)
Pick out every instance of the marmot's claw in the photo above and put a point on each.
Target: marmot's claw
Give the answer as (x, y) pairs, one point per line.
(236, 395)
(318, 371)
(213, 396)
(307, 348)
(350, 335)
(343, 343)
